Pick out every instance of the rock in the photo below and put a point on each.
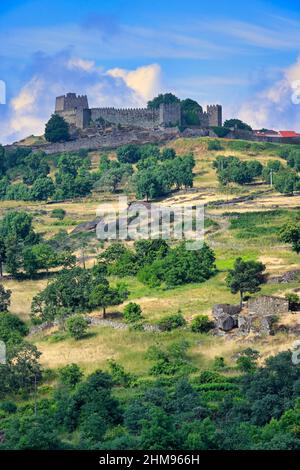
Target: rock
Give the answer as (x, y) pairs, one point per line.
(260, 325)
(225, 316)
(289, 276)
(225, 322)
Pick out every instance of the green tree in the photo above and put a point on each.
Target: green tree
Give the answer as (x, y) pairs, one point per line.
(247, 360)
(70, 375)
(104, 296)
(12, 329)
(42, 189)
(237, 124)
(29, 432)
(132, 313)
(190, 110)
(77, 326)
(35, 166)
(167, 98)
(286, 181)
(290, 233)
(159, 431)
(57, 129)
(246, 276)
(129, 153)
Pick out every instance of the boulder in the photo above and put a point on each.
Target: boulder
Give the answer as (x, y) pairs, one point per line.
(225, 316)
(225, 322)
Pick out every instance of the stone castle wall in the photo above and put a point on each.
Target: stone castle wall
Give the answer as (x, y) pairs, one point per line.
(145, 118)
(76, 111)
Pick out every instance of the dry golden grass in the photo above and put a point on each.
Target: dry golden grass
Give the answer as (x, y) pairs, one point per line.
(22, 293)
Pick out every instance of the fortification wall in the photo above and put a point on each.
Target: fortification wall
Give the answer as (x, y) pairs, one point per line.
(145, 118)
(112, 139)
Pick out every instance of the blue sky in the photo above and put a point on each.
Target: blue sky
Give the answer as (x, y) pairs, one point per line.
(123, 52)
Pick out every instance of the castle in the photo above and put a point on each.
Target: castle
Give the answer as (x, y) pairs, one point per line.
(75, 110)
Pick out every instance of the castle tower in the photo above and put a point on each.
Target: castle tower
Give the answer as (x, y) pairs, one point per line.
(214, 112)
(170, 114)
(71, 102)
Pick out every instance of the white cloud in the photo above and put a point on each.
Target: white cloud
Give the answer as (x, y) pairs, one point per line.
(275, 106)
(145, 81)
(29, 110)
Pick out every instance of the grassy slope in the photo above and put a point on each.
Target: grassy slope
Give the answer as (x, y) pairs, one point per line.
(228, 243)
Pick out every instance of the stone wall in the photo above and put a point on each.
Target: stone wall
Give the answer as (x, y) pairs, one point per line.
(145, 118)
(266, 305)
(111, 139)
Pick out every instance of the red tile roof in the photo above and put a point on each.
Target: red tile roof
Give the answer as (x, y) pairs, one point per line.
(289, 134)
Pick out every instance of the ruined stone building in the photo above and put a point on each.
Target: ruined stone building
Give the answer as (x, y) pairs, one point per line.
(75, 110)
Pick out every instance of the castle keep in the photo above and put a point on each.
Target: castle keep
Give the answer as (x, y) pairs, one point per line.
(75, 110)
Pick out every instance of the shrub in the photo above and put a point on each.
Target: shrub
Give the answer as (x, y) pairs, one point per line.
(12, 329)
(77, 326)
(172, 322)
(58, 213)
(219, 362)
(8, 407)
(70, 375)
(129, 153)
(214, 145)
(119, 376)
(221, 131)
(132, 313)
(201, 324)
(293, 299)
(210, 376)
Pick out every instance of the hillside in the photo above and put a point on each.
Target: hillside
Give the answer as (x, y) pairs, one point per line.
(252, 237)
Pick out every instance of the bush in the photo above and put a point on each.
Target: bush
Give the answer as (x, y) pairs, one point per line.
(132, 313)
(119, 375)
(172, 322)
(201, 324)
(70, 375)
(221, 131)
(77, 326)
(214, 145)
(58, 214)
(12, 329)
(129, 153)
(210, 376)
(8, 407)
(219, 362)
(294, 301)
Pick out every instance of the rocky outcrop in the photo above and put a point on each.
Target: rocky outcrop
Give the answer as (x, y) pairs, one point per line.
(285, 278)
(225, 316)
(259, 325)
(258, 317)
